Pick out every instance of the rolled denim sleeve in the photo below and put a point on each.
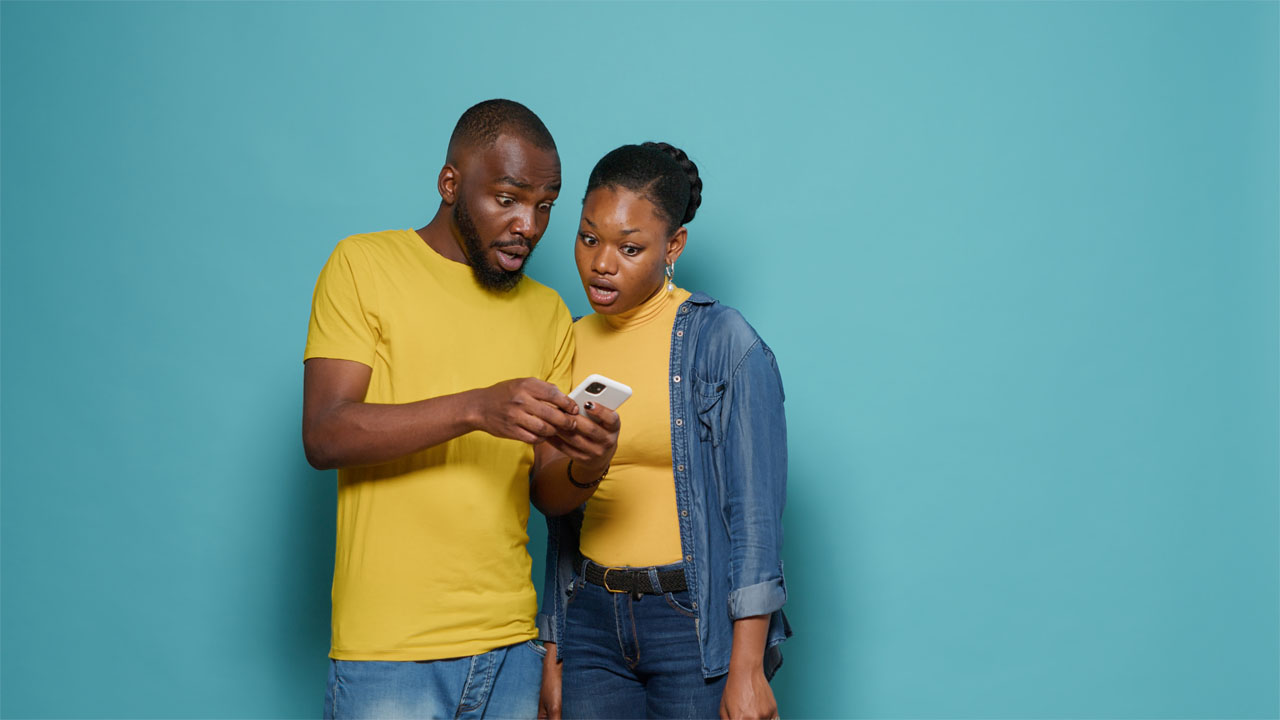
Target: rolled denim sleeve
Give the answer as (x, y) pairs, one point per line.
(546, 626)
(551, 590)
(755, 471)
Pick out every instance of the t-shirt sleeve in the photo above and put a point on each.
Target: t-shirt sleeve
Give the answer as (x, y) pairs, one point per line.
(562, 366)
(342, 318)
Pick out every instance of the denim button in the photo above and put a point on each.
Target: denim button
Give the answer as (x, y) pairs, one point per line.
(679, 333)
(679, 422)
(684, 513)
(676, 378)
(695, 606)
(680, 468)
(688, 558)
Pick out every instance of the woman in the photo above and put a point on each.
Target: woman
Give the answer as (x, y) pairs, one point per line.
(664, 577)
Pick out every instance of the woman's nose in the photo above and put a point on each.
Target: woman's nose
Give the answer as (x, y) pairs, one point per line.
(604, 262)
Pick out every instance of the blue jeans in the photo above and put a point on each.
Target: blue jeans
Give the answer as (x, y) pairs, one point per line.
(501, 683)
(628, 658)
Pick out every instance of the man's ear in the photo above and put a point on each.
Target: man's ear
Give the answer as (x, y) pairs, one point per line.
(447, 184)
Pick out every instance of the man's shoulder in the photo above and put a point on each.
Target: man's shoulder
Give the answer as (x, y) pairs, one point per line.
(369, 243)
(376, 254)
(542, 296)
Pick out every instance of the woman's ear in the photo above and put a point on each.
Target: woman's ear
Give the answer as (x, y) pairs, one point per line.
(675, 245)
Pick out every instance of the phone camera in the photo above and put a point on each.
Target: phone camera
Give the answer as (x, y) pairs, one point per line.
(595, 388)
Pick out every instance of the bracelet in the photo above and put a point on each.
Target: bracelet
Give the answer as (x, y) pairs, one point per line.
(584, 486)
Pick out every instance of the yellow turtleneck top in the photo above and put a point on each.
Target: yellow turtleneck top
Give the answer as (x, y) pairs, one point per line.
(631, 519)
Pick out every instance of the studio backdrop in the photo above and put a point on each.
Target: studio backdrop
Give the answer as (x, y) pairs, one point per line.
(1018, 263)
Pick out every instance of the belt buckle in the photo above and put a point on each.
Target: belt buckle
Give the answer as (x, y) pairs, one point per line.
(605, 580)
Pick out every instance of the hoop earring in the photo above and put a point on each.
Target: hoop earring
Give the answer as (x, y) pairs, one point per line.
(671, 273)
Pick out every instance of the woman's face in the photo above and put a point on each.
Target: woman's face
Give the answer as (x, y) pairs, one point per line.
(623, 249)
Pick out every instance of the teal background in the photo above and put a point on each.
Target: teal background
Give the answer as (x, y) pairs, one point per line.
(1018, 262)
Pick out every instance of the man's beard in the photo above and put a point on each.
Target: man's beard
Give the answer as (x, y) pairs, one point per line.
(489, 277)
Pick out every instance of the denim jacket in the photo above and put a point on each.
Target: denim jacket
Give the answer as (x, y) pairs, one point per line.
(729, 458)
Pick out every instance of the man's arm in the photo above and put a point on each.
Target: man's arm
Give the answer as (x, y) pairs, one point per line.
(339, 429)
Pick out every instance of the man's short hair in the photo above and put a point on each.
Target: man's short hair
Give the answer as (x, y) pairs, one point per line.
(482, 124)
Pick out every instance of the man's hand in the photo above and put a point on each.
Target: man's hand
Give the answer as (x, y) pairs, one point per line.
(747, 695)
(591, 443)
(529, 410)
(549, 696)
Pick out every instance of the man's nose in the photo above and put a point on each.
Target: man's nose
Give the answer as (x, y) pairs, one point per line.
(525, 224)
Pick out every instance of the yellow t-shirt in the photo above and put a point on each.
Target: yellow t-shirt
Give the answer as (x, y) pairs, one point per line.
(431, 560)
(631, 519)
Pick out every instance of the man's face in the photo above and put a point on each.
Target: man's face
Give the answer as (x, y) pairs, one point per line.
(503, 206)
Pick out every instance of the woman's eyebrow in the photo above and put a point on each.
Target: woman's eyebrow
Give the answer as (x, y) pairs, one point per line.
(625, 231)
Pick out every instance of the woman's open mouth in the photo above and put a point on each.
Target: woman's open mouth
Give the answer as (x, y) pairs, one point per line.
(601, 293)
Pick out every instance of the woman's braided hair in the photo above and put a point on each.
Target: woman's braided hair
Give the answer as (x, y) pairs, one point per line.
(660, 172)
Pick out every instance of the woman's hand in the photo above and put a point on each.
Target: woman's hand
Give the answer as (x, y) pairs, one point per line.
(549, 696)
(591, 442)
(747, 695)
(746, 692)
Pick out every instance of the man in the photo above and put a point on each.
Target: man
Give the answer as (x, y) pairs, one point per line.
(433, 368)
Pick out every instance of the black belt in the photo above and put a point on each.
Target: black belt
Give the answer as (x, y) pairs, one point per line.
(636, 582)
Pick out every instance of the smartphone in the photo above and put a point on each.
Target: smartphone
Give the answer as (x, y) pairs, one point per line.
(601, 391)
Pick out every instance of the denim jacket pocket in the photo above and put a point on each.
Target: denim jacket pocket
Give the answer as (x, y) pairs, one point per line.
(708, 396)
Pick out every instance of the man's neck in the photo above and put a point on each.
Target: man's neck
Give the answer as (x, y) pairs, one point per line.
(442, 237)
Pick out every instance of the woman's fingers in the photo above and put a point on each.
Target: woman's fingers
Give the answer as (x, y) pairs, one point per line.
(573, 451)
(605, 418)
(599, 424)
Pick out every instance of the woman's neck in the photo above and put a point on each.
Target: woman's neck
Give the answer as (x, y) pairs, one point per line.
(645, 312)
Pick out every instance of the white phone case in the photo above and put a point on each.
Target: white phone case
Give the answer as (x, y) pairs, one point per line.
(609, 393)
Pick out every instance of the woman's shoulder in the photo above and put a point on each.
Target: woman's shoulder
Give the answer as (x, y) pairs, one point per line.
(726, 344)
(722, 329)
(721, 320)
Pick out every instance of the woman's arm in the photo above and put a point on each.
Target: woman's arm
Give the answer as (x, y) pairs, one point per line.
(746, 691)
(551, 491)
(755, 475)
(754, 446)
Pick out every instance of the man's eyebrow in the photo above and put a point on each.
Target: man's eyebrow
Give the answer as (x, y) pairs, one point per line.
(587, 220)
(553, 187)
(508, 180)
